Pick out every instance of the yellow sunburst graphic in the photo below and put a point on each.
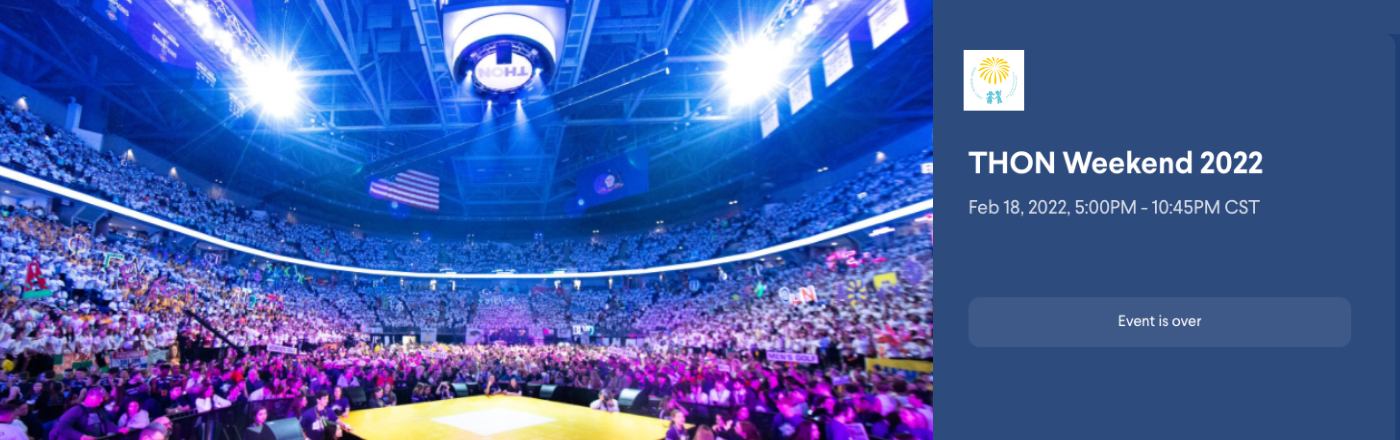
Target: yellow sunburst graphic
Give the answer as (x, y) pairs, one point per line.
(994, 70)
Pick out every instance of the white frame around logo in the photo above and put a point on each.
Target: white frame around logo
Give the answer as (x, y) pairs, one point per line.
(1015, 101)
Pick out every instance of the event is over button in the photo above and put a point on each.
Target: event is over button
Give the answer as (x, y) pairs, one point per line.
(1159, 322)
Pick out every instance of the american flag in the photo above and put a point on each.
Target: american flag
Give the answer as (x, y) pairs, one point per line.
(413, 188)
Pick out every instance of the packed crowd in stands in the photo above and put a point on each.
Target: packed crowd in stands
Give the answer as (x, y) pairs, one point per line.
(31, 146)
(103, 305)
(72, 300)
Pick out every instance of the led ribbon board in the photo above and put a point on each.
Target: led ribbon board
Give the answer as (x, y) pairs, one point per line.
(63, 191)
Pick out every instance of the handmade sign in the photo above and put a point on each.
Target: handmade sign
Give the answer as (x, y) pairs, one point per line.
(34, 275)
(130, 359)
(801, 358)
(891, 278)
(273, 348)
(109, 257)
(852, 292)
(913, 271)
(79, 244)
(621, 352)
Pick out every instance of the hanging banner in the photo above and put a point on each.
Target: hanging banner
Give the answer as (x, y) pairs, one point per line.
(801, 358)
(837, 61)
(768, 118)
(800, 93)
(428, 336)
(886, 19)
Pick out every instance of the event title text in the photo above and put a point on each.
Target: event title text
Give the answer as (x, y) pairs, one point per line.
(1022, 162)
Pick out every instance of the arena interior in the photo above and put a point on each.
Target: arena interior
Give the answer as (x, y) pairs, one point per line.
(503, 219)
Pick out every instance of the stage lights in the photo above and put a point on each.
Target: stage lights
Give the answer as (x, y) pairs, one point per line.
(273, 86)
(755, 68)
(267, 81)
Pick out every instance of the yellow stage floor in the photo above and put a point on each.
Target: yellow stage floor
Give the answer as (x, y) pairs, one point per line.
(500, 418)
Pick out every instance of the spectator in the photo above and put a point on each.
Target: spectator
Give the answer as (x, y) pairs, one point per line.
(9, 430)
(318, 423)
(605, 402)
(134, 418)
(676, 430)
(86, 421)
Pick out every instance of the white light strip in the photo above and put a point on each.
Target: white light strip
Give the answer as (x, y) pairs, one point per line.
(79, 196)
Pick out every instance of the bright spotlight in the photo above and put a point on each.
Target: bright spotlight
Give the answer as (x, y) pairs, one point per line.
(223, 39)
(752, 70)
(237, 58)
(199, 14)
(273, 86)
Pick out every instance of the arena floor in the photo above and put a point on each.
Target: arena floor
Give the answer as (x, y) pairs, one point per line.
(501, 418)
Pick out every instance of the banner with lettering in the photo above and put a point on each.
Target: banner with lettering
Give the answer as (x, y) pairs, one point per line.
(72, 361)
(130, 359)
(801, 358)
(908, 368)
(273, 348)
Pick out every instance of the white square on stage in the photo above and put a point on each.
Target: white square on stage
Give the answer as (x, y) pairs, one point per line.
(492, 421)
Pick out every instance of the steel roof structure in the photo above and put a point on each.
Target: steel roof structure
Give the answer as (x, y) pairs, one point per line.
(377, 89)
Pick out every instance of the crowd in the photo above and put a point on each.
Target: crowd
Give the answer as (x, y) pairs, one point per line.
(720, 312)
(851, 319)
(72, 300)
(743, 396)
(31, 146)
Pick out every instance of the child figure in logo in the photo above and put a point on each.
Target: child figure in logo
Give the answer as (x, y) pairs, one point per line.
(994, 96)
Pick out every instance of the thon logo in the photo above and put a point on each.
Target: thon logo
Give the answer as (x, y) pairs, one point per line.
(994, 80)
(504, 77)
(506, 71)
